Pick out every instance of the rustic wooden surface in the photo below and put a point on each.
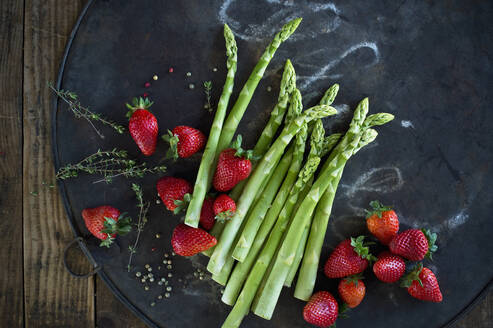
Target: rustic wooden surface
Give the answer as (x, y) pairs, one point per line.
(35, 289)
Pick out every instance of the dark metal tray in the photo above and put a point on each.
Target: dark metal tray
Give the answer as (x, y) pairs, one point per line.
(428, 63)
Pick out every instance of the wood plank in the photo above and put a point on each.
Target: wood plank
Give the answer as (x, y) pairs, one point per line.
(111, 313)
(11, 42)
(52, 297)
(481, 316)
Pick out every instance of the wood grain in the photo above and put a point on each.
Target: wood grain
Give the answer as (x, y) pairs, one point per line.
(52, 297)
(111, 313)
(479, 317)
(11, 42)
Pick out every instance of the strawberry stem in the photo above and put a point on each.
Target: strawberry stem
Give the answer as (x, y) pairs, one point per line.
(138, 103)
(354, 279)
(240, 152)
(412, 276)
(362, 249)
(432, 247)
(377, 209)
(173, 145)
(224, 216)
(182, 204)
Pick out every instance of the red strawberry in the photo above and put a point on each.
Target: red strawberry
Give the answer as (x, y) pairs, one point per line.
(188, 241)
(143, 125)
(348, 258)
(389, 267)
(233, 166)
(352, 290)
(207, 217)
(423, 285)
(174, 192)
(414, 244)
(321, 310)
(382, 222)
(184, 141)
(224, 207)
(105, 222)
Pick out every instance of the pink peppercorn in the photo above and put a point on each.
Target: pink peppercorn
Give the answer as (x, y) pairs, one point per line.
(170, 70)
(147, 84)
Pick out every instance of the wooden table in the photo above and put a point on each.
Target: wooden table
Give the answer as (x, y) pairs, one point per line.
(35, 289)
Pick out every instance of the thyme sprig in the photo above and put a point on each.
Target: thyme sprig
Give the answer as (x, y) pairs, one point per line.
(208, 95)
(143, 208)
(81, 111)
(110, 164)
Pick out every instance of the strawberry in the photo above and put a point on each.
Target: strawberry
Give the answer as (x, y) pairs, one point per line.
(174, 192)
(105, 222)
(207, 217)
(321, 310)
(422, 284)
(233, 166)
(414, 244)
(348, 258)
(188, 241)
(382, 222)
(143, 125)
(224, 207)
(389, 267)
(184, 141)
(352, 290)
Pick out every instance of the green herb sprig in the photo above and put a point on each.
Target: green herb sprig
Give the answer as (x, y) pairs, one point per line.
(143, 208)
(81, 111)
(110, 164)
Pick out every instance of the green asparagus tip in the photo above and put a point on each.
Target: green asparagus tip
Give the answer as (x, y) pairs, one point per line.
(330, 95)
(378, 119)
(289, 28)
(367, 137)
(288, 80)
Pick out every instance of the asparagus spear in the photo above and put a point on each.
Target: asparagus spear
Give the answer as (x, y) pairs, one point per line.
(254, 279)
(280, 171)
(216, 231)
(294, 110)
(288, 84)
(263, 169)
(311, 258)
(280, 210)
(222, 277)
(319, 146)
(267, 298)
(255, 218)
(246, 93)
(328, 180)
(297, 257)
(206, 169)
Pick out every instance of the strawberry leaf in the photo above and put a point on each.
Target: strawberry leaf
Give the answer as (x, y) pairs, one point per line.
(138, 103)
(343, 312)
(182, 204)
(173, 145)
(362, 249)
(377, 209)
(353, 279)
(432, 247)
(240, 152)
(412, 276)
(107, 242)
(224, 216)
(122, 226)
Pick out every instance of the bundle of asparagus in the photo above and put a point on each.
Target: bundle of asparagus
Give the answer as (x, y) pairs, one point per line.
(283, 208)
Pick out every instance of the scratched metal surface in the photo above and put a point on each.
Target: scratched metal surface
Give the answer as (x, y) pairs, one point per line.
(428, 63)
